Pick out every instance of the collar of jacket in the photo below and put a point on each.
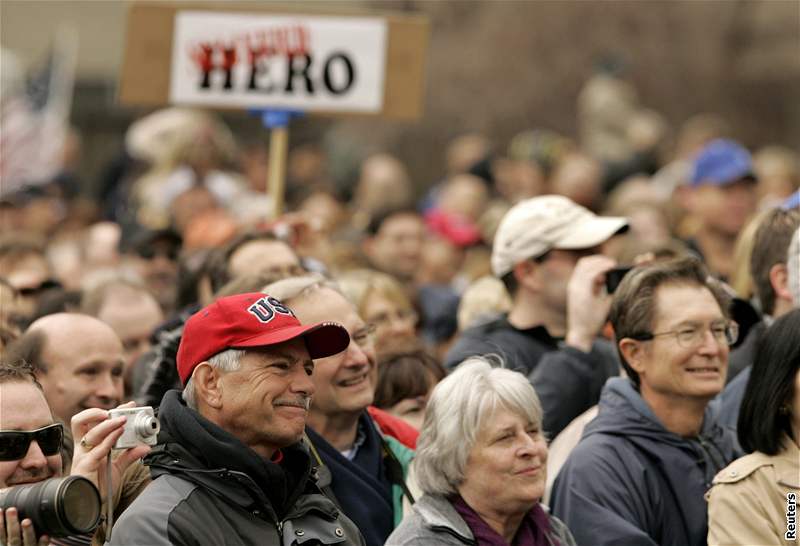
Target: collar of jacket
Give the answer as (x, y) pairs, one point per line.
(623, 412)
(207, 455)
(787, 463)
(438, 513)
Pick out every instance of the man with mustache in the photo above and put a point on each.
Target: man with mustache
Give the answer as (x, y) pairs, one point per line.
(230, 467)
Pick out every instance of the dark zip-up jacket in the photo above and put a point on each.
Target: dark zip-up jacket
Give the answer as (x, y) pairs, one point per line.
(243, 502)
(630, 481)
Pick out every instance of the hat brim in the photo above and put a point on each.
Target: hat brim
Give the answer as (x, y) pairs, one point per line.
(322, 340)
(592, 232)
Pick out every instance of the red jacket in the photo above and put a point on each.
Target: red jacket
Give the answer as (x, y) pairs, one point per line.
(395, 427)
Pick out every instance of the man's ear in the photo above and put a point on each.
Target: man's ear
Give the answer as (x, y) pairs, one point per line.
(779, 279)
(524, 275)
(633, 352)
(367, 245)
(207, 385)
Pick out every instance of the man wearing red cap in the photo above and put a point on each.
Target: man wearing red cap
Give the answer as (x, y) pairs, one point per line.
(229, 467)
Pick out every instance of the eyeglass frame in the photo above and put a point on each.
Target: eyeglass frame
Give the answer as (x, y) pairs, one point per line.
(729, 326)
(34, 435)
(386, 318)
(366, 334)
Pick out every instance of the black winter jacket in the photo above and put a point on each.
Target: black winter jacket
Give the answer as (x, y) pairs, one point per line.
(209, 488)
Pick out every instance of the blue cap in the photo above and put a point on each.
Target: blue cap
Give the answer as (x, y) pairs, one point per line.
(721, 162)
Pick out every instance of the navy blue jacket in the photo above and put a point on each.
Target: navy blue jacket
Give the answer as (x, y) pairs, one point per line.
(731, 399)
(630, 481)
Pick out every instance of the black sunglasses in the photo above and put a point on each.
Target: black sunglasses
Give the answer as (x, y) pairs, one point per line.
(14, 444)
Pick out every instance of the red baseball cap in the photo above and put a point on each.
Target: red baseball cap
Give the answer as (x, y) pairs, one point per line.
(251, 320)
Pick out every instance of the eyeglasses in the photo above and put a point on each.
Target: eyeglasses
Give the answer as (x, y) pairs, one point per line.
(382, 319)
(364, 336)
(41, 287)
(691, 335)
(14, 444)
(171, 253)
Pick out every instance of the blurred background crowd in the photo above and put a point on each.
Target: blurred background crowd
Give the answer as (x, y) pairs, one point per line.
(679, 120)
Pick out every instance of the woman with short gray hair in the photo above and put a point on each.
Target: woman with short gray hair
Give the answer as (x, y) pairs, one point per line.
(481, 463)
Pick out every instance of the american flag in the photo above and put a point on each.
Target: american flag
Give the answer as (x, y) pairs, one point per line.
(34, 119)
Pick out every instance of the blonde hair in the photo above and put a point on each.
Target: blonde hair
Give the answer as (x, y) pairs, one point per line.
(359, 284)
(741, 278)
(484, 299)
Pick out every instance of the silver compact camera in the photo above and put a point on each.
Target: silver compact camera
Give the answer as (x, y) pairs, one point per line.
(141, 427)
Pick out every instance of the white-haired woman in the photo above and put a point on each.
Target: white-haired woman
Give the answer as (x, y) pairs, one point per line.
(481, 463)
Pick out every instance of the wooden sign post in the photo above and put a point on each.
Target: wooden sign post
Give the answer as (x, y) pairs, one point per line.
(249, 57)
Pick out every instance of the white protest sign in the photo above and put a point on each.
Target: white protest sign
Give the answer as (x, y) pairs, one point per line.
(279, 61)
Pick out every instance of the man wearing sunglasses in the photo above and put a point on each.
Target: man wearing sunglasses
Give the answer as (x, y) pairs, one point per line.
(643, 465)
(30, 444)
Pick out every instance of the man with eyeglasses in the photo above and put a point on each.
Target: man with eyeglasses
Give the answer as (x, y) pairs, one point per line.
(30, 444)
(365, 467)
(156, 258)
(640, 472)
(24, 266)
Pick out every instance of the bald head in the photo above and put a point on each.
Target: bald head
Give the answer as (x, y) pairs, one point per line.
(384, 183)
(81, 363)
(132, 312)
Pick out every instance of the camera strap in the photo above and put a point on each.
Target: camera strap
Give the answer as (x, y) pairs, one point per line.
(109, 499)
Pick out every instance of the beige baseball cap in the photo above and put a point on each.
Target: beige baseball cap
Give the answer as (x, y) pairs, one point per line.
(534, 226)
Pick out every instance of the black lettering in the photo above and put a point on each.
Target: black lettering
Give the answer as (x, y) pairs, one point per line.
(328, 76)
(292, 71)
(208, 64)
(259, 71)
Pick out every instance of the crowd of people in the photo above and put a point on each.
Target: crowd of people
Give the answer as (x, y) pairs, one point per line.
(375, 368)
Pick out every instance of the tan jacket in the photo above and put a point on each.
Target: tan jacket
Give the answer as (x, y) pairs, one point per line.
(754, 499)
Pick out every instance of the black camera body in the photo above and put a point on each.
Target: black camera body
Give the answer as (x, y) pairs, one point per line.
(614, 277)
(58, 507)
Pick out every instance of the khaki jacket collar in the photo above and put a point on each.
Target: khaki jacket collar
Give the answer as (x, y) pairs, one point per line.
(787, 463)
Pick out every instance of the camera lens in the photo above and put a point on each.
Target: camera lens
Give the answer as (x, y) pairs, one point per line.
(57, 507)
(80, 514)
(146, 426)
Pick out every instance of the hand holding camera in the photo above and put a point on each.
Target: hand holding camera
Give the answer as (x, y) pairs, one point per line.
(588, 302)
(97, 432)
(58, 507)
(16, 533)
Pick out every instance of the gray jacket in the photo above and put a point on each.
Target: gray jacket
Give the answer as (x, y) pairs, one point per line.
(435, 521)
(173, 511)
(209, 488)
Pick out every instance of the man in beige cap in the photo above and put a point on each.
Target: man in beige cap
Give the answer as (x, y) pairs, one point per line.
(547, 251)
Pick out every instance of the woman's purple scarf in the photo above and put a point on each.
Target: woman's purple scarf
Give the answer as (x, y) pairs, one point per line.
(532, 531)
